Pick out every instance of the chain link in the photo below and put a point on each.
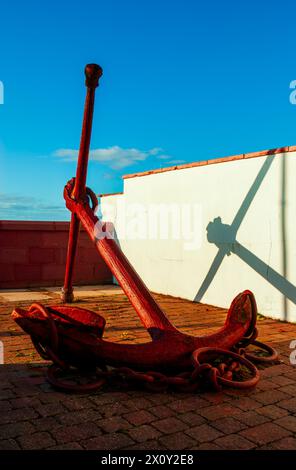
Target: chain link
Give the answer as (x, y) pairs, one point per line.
(212, 366)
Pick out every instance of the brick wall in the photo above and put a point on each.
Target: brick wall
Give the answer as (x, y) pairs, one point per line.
(34, 254)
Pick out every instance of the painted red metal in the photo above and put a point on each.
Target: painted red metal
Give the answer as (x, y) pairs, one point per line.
(170, 349)
(71, 336)
(93, 72)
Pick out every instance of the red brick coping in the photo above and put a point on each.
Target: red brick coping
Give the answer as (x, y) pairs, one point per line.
(242, 156)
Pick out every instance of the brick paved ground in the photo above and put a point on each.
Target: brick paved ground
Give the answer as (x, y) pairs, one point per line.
(34, 416)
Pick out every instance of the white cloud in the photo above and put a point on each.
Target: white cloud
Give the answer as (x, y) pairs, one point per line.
(175, 162)
(115, 157)
(163, 157)
(15, 207)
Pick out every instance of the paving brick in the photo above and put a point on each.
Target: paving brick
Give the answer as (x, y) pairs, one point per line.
(177, 441)
(75, 433)
(39, 440)
(191, 418)
(270, 397)
(45, 424)
(216, 398)
(51, 409)
(287, 443)
(78, 403)
(16, 429)
(204, 433)
(247, 403)
(272, 411)
(143, 433)
(265, 433)
(6, 394)
(161, 411)
(206, 446)
(251, 418)
(266, 384)
(215, 412)
(290, 389)
(5, 405)
(275, 370)
(29, 406)
(237, 392)
(49, 395)
(24, 402)
(234, 442)
(170, 425)
(113, 424)
(188, 404)
(113, 409)
(160, 398)
(76, 417)
(287, 422)
(48, 389)
(108, 441)
(228, 425)
(23, 414)
(103, 399)
(140, 417)
(140, 403)
(291, 374)
(148, 445)
(68, 446)
(289, 404)
(281, 380)
(9, 444)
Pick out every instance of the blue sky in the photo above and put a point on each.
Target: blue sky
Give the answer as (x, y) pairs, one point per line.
(183, 81)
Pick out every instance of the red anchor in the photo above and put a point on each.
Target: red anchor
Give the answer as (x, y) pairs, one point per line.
(72, 337)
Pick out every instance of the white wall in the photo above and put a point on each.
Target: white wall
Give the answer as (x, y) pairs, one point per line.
(257, 196)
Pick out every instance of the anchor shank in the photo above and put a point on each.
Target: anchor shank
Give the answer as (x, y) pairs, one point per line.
(92, 73)
(148, 310)
(81, 172)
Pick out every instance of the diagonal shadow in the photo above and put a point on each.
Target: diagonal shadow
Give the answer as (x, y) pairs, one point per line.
(224, 237)
(233, 228)
(274, 278)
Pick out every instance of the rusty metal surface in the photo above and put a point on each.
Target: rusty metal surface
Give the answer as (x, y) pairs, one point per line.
(73, 337)
(93, 72)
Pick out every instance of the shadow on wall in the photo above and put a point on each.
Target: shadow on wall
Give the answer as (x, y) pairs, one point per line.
(224, 237)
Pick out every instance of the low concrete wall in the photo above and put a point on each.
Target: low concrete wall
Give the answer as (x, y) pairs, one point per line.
(34, 254)
(245, 212)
